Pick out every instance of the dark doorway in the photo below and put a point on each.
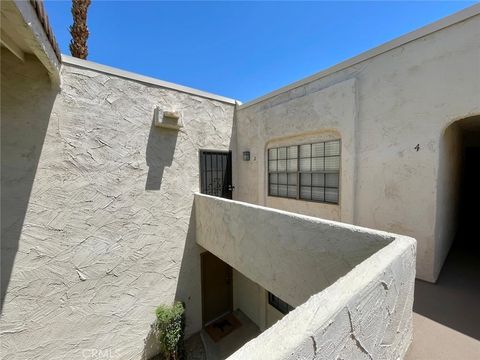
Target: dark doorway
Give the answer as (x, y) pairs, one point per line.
(453, 300)
(216, 173)
(469, 199)
(217, 289)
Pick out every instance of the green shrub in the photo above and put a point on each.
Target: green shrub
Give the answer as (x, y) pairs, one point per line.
(171, 327)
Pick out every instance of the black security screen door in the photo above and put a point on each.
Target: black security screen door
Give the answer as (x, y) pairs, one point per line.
(216, 173)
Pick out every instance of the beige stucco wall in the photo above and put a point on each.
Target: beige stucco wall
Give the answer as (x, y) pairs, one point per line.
(97, 219)
(372, 320)
(291, 255)
(362, 280)
(448, 192)
(327, 211)
(249, 297)
(302, 120)
(273, 315)
(382, 108)
(252, 300)
(27, 99)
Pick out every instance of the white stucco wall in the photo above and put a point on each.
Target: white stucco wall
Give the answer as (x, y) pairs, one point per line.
(98, 210)
(448, 192)
(252, 300)
(273, 315)
(27, 98)
(362, 280)
(97, 204)
(302, 120)
(328, 211)
(372, 320)
(382, 107)
(291, 255)
(249, 297)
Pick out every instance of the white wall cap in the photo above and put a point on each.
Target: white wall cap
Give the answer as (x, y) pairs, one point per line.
(450, 20)
(141, 78)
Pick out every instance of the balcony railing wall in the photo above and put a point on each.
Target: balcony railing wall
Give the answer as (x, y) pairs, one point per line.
(361, 280)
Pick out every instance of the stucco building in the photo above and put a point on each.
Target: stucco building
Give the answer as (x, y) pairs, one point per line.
(117, 188)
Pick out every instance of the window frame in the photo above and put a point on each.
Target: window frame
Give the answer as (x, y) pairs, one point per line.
(278, 304)
(299, 172)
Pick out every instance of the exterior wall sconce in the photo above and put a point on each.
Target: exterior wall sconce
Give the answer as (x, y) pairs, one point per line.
(246, 156)
(168, 119)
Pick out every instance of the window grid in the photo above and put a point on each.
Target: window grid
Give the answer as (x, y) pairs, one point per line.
(279, 304)
(306, 172)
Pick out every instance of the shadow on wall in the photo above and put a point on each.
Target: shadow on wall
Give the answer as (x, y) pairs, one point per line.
(188, 290)
(453, 300)
(152, 344)
(234, 149)
(159, 154)
(27, 99)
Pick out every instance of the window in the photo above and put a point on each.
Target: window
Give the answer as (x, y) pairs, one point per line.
(307, 172)
(279, 304)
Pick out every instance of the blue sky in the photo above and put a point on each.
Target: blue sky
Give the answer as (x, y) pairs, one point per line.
(239, 49)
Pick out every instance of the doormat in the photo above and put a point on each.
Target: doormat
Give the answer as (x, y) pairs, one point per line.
(222, 327)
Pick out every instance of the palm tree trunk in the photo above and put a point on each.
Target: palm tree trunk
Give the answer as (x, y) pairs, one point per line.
(79, 29)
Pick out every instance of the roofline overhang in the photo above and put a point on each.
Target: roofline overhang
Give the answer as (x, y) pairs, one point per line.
(41, 41)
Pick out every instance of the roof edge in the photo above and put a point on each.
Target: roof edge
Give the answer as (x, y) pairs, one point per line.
(40, 38)
(43, 18)
(428, 29)
(143, 79)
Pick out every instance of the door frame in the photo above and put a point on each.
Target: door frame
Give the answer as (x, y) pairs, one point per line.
(230, 292)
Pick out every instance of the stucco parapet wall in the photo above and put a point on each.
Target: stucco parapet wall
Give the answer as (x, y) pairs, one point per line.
(388, 46)
(353, 286)
(143, 79)
(275, 248)
(367, 314)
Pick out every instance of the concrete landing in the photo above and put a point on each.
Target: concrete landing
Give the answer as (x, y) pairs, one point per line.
(434, 341)
(446, 322)
(232, 342)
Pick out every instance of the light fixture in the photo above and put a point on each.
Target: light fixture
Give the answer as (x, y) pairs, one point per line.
(168, 119)
(246, 156)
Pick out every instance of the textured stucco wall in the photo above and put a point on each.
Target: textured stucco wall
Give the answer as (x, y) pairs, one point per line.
(382, 107)
(294, 256)
(27, 100)
(105, 231)
(372, 320)
(305, 119)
